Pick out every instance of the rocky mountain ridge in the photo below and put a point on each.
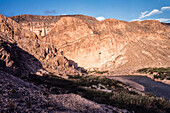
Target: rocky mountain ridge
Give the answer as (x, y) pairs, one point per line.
(23, 54)
(110, 44)
(41, 25)
(23, 49)
(26, 58)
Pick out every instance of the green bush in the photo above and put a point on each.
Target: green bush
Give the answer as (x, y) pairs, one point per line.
(162, 73)
(98, 72)
(144, 70)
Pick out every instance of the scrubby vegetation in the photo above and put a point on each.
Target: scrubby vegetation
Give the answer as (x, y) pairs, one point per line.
(158, 73)
(115, 93)
(151, 70)
(162, 76)
(98, 72)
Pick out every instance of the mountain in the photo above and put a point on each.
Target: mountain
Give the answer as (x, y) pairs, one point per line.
(42, 61)
(28, 70)
(41, 25)
(111, 44)
(22, 55)
(22, 50)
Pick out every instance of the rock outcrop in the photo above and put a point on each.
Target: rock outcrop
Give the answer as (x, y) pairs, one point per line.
(112, 44)
(22, 50)
(41, 25)
(109, 44)
(23, 54)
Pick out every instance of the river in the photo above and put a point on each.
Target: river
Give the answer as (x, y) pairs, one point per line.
(145, 84)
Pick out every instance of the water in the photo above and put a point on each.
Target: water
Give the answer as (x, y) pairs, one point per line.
(157, 88)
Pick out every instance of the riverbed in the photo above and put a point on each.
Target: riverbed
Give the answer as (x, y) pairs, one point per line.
(143, 83)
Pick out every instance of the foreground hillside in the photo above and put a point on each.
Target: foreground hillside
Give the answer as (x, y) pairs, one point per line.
(20, 96)
(114, 45)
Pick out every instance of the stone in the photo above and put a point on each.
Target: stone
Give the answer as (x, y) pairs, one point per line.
(28, 54)
(106, 45)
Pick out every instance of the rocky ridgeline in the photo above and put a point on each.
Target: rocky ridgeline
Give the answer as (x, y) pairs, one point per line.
(41, 25)
(109, 44)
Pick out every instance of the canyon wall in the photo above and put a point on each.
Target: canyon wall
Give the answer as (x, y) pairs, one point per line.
(23, 53)
(106, 44)
(110, 44)
(41, 25)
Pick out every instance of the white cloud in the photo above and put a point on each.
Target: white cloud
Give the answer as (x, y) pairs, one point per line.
(100, 18)
(163, 19)
(153, 12)
(159, 19)
(146, 14)
(165, 8)
(143, 14)
(135, 20)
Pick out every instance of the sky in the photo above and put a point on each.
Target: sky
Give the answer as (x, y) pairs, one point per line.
(128, 10)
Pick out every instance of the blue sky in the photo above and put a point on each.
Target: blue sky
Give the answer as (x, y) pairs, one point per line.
(127, 10)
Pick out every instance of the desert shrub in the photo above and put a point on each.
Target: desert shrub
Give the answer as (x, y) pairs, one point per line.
(161, 69)
(137, 103)
(101, 72)
(98, 72)
(162, 73)
(120, 97)
(144, 70)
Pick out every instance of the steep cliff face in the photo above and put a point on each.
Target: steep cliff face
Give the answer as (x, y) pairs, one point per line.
(41, 25)
(22, 53)
(100, 45)
(111, 44)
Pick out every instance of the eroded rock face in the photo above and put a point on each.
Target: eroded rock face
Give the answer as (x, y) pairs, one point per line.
(41, 25)
(111, 44)
(21, 51)
(23, 55)
(108, 45)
